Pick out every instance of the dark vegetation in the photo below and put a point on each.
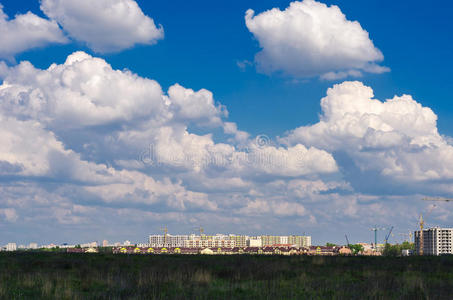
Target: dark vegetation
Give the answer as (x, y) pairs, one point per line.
(105, 276)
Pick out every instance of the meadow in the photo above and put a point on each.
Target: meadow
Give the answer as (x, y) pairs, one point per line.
(106, 276)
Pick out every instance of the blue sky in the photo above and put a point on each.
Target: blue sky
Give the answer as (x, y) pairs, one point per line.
(203, 43)
(205, 39)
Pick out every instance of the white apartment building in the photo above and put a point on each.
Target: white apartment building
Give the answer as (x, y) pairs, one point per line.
(300, 240)
(33, 246)
(209, 243)
(254, 242)
(11, 247)
(226, 241)
(171, 241)
(297, 240)
(436, 241)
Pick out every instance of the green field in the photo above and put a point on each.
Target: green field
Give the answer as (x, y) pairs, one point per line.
(107, 276)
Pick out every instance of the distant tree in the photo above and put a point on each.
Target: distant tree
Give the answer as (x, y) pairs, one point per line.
(356, 249)
(330, 245)
(392, 250)
(395, 250)
(407, 246)
(78, 246)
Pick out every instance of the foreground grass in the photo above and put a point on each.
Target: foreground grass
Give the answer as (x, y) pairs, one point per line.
(107, 276)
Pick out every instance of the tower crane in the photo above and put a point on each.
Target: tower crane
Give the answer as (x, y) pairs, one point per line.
(347, 240)
(199, 229)
(388, 235)
(376, 229)
(421, 224)
(422, 242)
(437, 199)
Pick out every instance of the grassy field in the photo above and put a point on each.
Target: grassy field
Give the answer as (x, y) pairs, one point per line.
(107, 276)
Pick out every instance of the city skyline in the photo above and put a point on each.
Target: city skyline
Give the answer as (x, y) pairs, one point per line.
(324, 118)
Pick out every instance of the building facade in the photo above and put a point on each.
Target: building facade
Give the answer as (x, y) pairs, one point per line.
(239, 240)
(226, 241)
(167, 240)
(436, 241)
(11, 247)
(210, 243)
(297, 240)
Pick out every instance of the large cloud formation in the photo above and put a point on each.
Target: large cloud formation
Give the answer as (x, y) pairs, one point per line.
(26, 32)
(85, 145)
(113, 139)
(311, 39)
(396, 142)
(104, 25)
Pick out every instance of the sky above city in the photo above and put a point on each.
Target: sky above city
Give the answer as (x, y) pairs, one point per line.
(118, 117)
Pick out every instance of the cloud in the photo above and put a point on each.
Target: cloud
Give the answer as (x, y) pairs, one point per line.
(110, 138)
(26, 32)
(84, 91)
(104, 25)
(9, 214)
(259, 206)
(380, 144)
(310, 39)
(84, 144)
(121, 113)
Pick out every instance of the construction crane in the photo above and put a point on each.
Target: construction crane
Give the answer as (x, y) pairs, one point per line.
(437, 199)
(376, 229)
(347, 240)
(421, 244)
(406, 236)
(422, 224)
(199, 229)
(388, 235)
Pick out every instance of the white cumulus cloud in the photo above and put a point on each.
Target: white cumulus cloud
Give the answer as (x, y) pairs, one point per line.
(104, 25)
(396, 139)
(25, 32)
(310, 39)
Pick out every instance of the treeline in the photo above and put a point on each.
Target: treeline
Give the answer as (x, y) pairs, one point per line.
(397, 249)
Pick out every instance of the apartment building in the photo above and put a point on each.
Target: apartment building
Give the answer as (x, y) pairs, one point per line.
(239, 240)
(226, 241)
(299, 241)
(436, 241)
(167, 240)
(11, 247)
(209, 243)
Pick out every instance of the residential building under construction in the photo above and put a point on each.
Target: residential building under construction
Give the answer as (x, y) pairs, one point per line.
(436, 241)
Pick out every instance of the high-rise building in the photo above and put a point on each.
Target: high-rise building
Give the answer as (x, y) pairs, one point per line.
(167, 240)
(254, 242)
(269, 240)
(11, 247)
(436, 241)
(239, 240)
(298, 240)
(33, 246)
(226, 241)
(210, 243)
